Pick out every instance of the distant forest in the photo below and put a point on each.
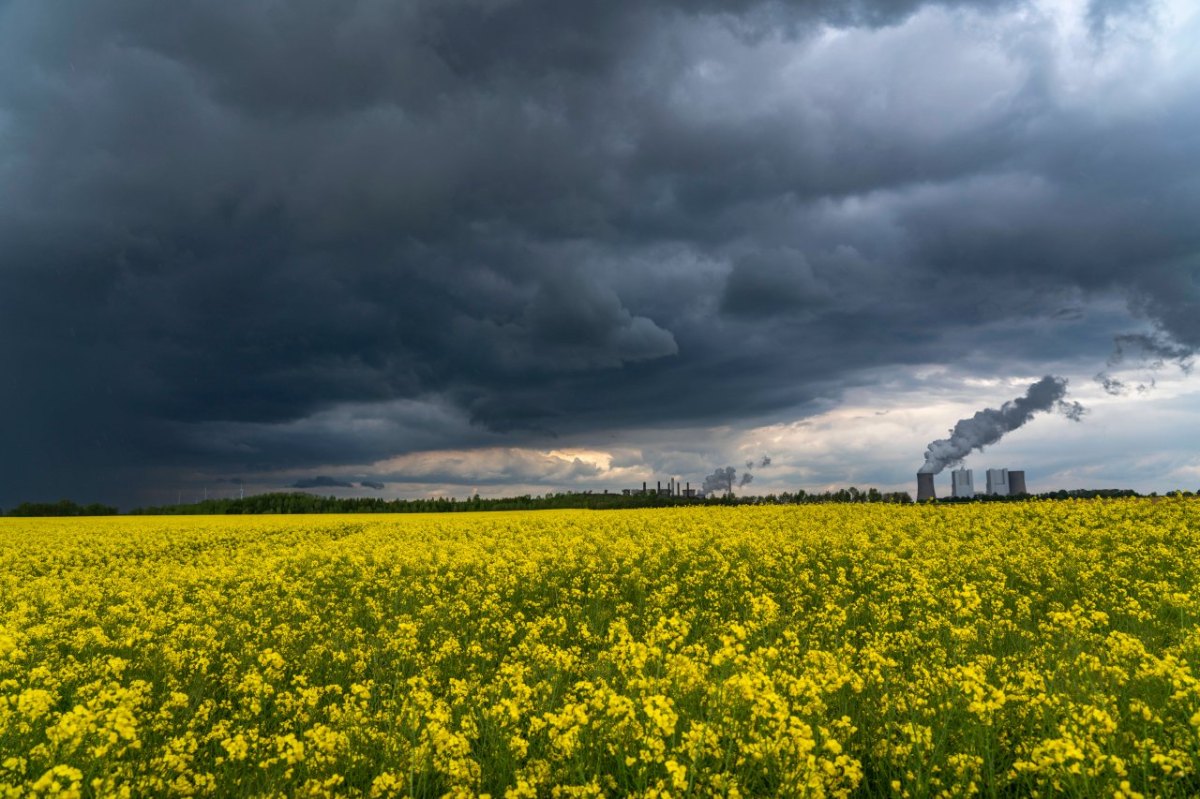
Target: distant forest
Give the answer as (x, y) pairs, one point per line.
(300, 502)
(310, 503)
(64, 507)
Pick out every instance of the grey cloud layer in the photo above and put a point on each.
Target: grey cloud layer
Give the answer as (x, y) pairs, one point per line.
(221, 222)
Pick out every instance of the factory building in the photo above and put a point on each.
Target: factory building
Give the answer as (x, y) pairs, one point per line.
(997, 482)
(1016, 483)
(671, 489)
(962, 483)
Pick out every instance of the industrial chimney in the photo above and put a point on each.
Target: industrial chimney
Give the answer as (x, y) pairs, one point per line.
(1016, 483)
(925, 487)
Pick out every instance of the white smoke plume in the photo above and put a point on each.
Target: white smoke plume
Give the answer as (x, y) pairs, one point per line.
(989, 425)
(720, 480)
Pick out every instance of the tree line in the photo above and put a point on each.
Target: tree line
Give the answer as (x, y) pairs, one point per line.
(64, 507)
(301, 502)
(311, 503)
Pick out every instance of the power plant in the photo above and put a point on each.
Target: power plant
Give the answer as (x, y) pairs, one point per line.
(962, 484)
(672, 489)
(999, 483)
(986, 427)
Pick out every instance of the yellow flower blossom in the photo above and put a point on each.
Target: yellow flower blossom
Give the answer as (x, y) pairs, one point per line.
(1029, 648)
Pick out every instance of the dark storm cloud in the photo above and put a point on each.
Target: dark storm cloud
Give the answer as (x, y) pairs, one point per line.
(238, 237)
(770, 283)
(321, 481)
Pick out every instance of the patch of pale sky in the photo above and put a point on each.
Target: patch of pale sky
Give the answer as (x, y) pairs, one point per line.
(1132, 64)
(887, 432)
(875, 436)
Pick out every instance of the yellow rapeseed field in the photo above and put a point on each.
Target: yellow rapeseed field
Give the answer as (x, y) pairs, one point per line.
(870, 650)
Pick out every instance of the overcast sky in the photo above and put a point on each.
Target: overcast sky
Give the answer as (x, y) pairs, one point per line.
(447, 246)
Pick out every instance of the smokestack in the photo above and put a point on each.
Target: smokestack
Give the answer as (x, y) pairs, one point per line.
(1016, 483)
(643, 486)
(925, 487)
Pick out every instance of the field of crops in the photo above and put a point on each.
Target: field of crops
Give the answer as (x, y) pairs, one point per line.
(1012, 649)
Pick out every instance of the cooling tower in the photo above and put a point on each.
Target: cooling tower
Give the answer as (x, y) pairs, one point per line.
(1016, 483)
(925, 487)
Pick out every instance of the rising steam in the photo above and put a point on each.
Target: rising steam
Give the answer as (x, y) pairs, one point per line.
(1154, 350)
(990, 424)
(720, 480)
(1144, 351)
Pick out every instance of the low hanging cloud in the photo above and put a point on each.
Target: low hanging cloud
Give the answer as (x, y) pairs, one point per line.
(321, 481)
(490, 466)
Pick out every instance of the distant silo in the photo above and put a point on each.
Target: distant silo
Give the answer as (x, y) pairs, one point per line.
(997, 482)
(1016, 483)
(962, 483)
(925, 487)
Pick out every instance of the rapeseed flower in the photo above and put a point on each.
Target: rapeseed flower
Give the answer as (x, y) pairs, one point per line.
(1028, 648)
